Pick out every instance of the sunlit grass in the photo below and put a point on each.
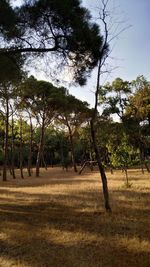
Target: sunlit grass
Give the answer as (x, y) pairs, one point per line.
(58, 220)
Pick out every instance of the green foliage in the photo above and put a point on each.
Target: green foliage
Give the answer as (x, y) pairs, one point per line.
(8, 20)
(41, 98)
(56, 146)
(61, 28)
(10, 69)
(73, 112)
(123, 154)
(139, 102)
(114, 97)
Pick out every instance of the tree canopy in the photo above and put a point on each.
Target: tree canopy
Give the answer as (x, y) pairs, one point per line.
(61, 29)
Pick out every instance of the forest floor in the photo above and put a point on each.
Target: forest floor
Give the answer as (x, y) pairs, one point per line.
(58, 220)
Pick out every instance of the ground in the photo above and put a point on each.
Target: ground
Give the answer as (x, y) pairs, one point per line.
(58, 220)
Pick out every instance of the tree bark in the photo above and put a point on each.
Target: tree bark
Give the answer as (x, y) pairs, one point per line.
(101, 169)
(93, 129)
(30, 149)
(147, 167)
(43, 161)
(127, 178)
(21, 149)
(6, 142)
(12, 148)
(72, 149)
(40, 148)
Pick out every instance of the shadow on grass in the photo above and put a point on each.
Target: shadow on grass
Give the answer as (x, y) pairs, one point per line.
(44, 230)
(51, 254)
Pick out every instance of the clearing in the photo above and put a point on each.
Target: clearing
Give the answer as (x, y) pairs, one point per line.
(58, 220)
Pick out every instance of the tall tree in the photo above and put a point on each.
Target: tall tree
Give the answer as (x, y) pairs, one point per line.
(10, 75)
(72, 113)
(110, 33)
(138, 113)
(103, 54)
(115, 97)
(41, 98)
(61, 29)
(139, 102)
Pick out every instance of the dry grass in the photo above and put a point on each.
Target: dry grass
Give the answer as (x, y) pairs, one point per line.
(58, 220)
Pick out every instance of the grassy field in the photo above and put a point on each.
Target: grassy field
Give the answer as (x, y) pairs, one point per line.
(58, 220)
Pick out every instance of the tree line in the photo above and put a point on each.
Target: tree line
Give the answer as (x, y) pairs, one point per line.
(43, 30)
(43, 125)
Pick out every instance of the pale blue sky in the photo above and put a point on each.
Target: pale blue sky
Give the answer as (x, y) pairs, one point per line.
(131, 53)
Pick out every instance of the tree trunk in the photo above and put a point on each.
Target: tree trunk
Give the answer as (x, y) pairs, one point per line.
(101, 169)
(6, 142)
(90, 153)
(127, 178)
(40, 149)
(10, 170)
(72, 149)
(147, 167)
(30, 149)
(43, 161)
(62, 154)
(12, 148)
(21, 149)
(111, 170)
(142, 158)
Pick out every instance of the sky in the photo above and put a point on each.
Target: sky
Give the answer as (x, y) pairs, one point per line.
(130, 56)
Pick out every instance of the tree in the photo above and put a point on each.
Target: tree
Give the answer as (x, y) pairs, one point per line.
(44, 27)
(139, 102)
(10, 75)
(110, 33)
(122, 152)
(12, 143)
(72, 113)
(103, 54)
(115, 96)
(138, 113)
(41, 98)
(57, 146)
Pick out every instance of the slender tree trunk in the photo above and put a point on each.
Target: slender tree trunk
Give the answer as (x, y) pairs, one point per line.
(101, 169)
(72, 149)
(142, 165)
(93, 132)
(142, 157)
(21, 149)
(127, 178)
(90, 153)
(43, 160)
(62, 155)
(111, 170)
(12, 148)
(147, 167)
(30, 149)
(40, 149)
(6, 142)
(51, 159)
(10, 170)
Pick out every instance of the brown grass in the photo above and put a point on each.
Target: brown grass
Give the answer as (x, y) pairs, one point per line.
(58, 220)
